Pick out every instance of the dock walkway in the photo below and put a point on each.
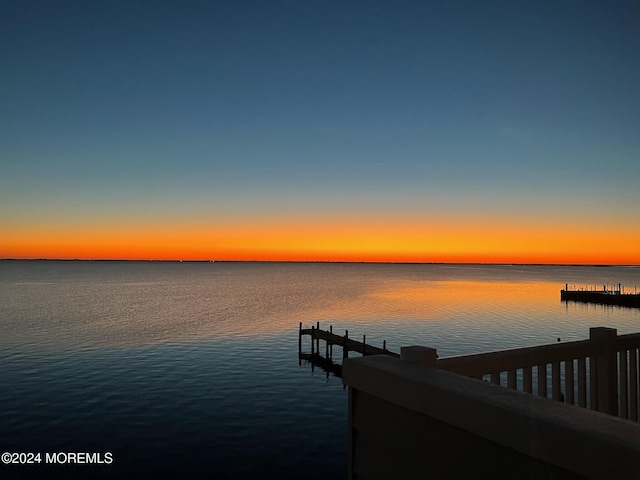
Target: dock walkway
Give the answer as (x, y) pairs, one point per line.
(605, 296)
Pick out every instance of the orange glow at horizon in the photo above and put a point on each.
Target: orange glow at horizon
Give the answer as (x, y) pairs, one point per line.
(326, 241)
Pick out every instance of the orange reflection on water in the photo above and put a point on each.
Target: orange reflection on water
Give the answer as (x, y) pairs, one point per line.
(441, 301)
(416, 300)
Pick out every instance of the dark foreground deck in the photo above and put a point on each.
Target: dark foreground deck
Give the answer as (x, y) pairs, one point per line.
(421, 416)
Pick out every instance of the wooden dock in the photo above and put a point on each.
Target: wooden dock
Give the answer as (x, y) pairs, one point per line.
(606, 296)
(329, 340)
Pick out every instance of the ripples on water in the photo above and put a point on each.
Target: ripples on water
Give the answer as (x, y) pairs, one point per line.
(178, 407)
(192, 368)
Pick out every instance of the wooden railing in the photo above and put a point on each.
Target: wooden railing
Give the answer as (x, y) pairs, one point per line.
(408, 419)
(600, 373)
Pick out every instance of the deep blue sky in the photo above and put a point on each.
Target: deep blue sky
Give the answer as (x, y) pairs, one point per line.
(223, 108)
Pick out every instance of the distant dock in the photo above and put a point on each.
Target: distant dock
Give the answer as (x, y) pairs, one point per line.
(614, 295)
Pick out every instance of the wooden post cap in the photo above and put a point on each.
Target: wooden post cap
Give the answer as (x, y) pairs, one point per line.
(417, 354)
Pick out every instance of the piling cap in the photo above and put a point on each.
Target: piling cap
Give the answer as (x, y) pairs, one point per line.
(418, 354)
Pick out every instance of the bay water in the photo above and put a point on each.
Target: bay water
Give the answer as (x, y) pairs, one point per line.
(191, 368)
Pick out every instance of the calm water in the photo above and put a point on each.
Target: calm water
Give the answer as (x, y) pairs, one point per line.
(192, 368)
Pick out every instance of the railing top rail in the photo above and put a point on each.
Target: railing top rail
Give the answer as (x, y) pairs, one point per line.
(627, 342)
(481, 363)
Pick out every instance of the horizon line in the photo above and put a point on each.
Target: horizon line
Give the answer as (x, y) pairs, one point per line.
(381, 262)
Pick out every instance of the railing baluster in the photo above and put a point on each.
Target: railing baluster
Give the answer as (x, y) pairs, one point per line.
(527, 380)
(568, 382)
(572, 372)
(582, 382)
(593, 383)
(542, 380)
(555, 381)
(633, 384)
(624, 396)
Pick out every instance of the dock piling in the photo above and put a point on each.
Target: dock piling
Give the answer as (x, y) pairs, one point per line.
(326, 344)
(345, 350)
(300, 344)
(331, 344)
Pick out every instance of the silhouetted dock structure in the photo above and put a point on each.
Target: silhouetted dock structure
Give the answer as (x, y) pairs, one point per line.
(606, 296)
(330, 339)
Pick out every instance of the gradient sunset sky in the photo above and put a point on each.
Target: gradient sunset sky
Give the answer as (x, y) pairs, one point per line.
(462, 131)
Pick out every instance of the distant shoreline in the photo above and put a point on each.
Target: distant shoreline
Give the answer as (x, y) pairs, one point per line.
(506, 264)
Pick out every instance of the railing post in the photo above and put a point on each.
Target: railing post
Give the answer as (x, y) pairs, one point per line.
(424, 356)
(606, 370)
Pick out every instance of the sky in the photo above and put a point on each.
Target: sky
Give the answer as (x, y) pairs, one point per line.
(426, 131)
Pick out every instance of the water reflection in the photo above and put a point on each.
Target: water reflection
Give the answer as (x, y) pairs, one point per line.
(59, 305)
(194, 364)
(313, 360)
